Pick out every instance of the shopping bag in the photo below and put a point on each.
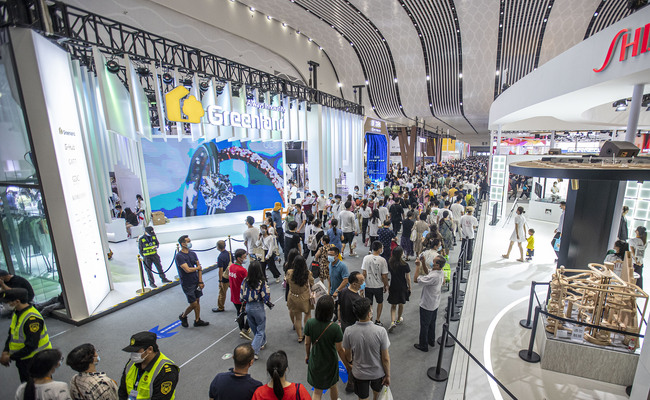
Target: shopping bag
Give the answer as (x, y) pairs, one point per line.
(556, 244)
(385, 394)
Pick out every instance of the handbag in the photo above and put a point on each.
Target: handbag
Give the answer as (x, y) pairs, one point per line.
(414, 235)
(315, 269)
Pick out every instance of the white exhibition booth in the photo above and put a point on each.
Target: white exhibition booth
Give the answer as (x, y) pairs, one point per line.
(101, 133)
(576, 91)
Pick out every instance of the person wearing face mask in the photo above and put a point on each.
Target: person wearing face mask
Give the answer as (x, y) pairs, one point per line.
(148, 245)
(237, 273)
(149, 374)
(27, 332)
(89, 384)
(431, 281)
(191, 276)
(41, 386)
(337, 207)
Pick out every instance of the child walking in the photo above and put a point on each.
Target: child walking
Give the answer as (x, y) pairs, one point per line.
(530, 247)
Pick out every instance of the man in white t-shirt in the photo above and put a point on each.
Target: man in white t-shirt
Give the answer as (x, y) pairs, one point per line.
(468, 223)
(347, 224)
(383, 212)
(293, 192)
(322, 205)
(375, 270)
(457, 210)
(251, 235)
(337, 207)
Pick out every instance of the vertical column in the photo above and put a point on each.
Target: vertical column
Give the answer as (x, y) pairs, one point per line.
(635, 111)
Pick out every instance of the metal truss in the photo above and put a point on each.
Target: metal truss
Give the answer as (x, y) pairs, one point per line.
(78, 30)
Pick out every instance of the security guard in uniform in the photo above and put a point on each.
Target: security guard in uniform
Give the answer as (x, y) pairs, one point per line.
(149, 374)
(27, 332)
(148, 245)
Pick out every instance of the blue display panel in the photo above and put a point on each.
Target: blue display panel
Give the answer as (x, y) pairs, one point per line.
(207, 177)
(377, 155)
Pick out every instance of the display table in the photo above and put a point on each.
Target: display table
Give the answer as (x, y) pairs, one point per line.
(586, 360)
(544, 210)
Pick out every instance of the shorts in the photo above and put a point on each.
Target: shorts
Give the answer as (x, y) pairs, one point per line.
(530, 253)
(192, 293)
(377, 293)
(362, 388)
(348, 237)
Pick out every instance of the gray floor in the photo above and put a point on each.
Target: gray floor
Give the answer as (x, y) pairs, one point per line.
(200, 350)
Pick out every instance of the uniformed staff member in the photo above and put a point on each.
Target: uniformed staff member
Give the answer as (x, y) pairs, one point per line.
(149, 374)
(27, 332)
(148, 244)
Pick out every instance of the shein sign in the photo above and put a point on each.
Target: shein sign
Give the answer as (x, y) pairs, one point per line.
(639, 44)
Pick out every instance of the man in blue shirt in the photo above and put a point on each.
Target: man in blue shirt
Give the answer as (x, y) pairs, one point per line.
(236, 384)
(338, 271)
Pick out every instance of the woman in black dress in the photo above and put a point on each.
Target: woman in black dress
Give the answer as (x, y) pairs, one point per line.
(400, 286)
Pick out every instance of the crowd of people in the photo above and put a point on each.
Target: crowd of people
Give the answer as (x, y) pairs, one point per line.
(419, 215)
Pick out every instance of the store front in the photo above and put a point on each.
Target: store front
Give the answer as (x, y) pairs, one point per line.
(194, 156)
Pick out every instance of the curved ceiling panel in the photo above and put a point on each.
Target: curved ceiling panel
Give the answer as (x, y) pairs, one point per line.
(436, 23)
(371, 48)
(521, 32)
(608, 12)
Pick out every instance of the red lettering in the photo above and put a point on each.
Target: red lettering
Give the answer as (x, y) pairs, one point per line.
(644, 45)
(634, 44)
(611, 50)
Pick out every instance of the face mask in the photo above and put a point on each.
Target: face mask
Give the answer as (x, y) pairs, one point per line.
(98, 359)
(322, 194)
(137, 358)
(189, 245)
(246, 262)
(363, 286)
(330, 258)
(439, 248)
(331, 197)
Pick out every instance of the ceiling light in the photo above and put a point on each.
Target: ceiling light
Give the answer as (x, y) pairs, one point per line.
(366, 82)
(204, 86)
(460, 76)
(320, 48)
(395, 80)
(297, 32)
(620, 105)
(252, 9)
(269, 17)
(284, 24)
(430, 105)
(428, 78)
(340, 84)
(497, 73)
(167, 78)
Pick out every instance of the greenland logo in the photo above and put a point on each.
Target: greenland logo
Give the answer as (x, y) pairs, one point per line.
(190, 106)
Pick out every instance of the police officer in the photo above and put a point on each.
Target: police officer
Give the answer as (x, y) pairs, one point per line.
(27, 332)
(148, 245)
(149, 374)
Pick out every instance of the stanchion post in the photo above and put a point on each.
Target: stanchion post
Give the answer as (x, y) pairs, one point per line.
(437, 373)
(458, 301)
(454, 316)
(143, 289)
(229, 244)
(449, 343)
(529, 355)
(526, 323)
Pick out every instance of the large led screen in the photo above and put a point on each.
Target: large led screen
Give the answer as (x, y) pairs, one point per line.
(207, 177)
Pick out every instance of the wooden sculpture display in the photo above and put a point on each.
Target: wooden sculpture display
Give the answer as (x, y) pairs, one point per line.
(604, 296)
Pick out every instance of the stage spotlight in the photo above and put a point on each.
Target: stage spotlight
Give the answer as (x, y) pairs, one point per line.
(235, 91)
(308, 106)
(204, 86)
(249, 94)
(167, 78)
(261, 98)
(187, 82)
(219, 88)
(142, 71)
(112, 66)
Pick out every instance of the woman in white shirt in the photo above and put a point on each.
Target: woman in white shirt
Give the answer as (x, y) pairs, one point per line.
(518, 235)
(41, 386)
(637, 247)
(365, 212)
(269, 244)
(373, 225)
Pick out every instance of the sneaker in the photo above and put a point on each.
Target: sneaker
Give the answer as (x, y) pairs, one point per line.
(218, 310)
(349, 388)
(244, 335)
(399, 321)
(354, 255)
(263, 346)
(277, 280)
(378, 323)
(153, 285)
(183, 319)
(165, 280)
(424, 349)
(201, 323)
(391, 327)
(256, 357)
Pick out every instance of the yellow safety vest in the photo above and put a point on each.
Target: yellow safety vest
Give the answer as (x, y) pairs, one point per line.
(148, 247)
(17, 338)
(145, 385)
